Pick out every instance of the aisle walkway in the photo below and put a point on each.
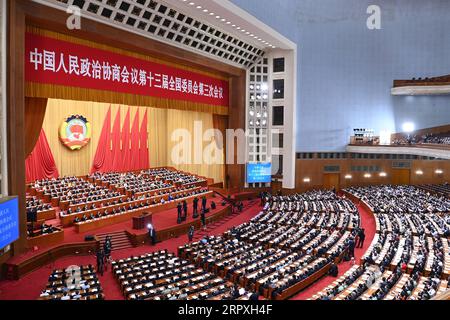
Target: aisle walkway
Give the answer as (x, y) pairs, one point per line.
(368, 223)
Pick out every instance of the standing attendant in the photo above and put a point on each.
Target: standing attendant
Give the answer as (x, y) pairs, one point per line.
(203, 218)
(185, 210)
(195, 216)
(191, 233)
(152, 234)
(351, 248)
(362, 237)
(179, 209)
(107, 248)
(204, 203)
(100, 261)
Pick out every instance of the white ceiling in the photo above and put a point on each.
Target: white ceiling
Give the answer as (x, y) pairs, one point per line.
(230, 35)
(231, 18)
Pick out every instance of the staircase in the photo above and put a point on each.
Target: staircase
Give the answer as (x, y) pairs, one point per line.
(119, 240)
(199, 234)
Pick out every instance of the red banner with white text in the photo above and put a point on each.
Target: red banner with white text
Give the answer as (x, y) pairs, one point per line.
(57, 62)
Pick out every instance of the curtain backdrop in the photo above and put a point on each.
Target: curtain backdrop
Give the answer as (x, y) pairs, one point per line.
(143, 143)
(135, 143)
(159, 127)
(34, 117)
(99, 163)
(120, 150)
(40, 164)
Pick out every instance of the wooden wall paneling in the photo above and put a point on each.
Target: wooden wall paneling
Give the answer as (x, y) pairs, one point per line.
(236, 120)
(314, 169)
(401, 176)
(16, 115)
(34, 117)
(331, 180)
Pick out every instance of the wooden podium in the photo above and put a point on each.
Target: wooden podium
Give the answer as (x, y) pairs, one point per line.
(142, 221)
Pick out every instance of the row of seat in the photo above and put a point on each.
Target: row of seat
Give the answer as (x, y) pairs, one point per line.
(163, 276)
(73, 283)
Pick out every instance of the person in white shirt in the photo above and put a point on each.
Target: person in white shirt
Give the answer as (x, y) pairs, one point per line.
(44, 293)
(65, 297)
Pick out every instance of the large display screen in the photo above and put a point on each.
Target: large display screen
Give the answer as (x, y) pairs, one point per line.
(9, 221)
(259, 172)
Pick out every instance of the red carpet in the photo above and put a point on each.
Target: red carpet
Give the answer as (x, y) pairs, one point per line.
(368, 223)
(29, 287)
(161, 220)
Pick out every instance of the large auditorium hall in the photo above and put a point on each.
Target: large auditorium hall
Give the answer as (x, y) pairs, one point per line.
(228, 153)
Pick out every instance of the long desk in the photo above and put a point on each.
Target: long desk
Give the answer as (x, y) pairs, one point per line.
(65, 205)
(46, 240)
(67, 220)
(86, 226)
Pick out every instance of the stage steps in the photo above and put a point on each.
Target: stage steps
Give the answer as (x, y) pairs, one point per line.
(120, 240)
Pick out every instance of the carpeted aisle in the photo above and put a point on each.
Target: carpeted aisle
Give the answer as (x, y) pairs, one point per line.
(29, 287)
(368, 223)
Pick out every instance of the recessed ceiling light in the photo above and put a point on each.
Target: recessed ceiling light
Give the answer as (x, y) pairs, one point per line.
(199, 7)
(191, 3)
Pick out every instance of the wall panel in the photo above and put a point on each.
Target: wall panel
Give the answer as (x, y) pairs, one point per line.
(161, 123)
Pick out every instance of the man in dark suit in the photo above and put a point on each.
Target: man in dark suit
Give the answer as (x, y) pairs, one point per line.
(100, 261)
(179, 210)
(361, 238)
(204, 203)
(254, 296)
(195, 206)
(351, 248)
(152, 234)
(191, 233)
(185, 210)
(203, 218)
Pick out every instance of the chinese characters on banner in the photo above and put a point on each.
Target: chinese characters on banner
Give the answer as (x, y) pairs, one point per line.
(51, 61)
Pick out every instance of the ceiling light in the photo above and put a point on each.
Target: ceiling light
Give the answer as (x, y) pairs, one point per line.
(383, 174)
(419, 172)
(348, 176)
(408, 127)
(439, 171)
(264, 86)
